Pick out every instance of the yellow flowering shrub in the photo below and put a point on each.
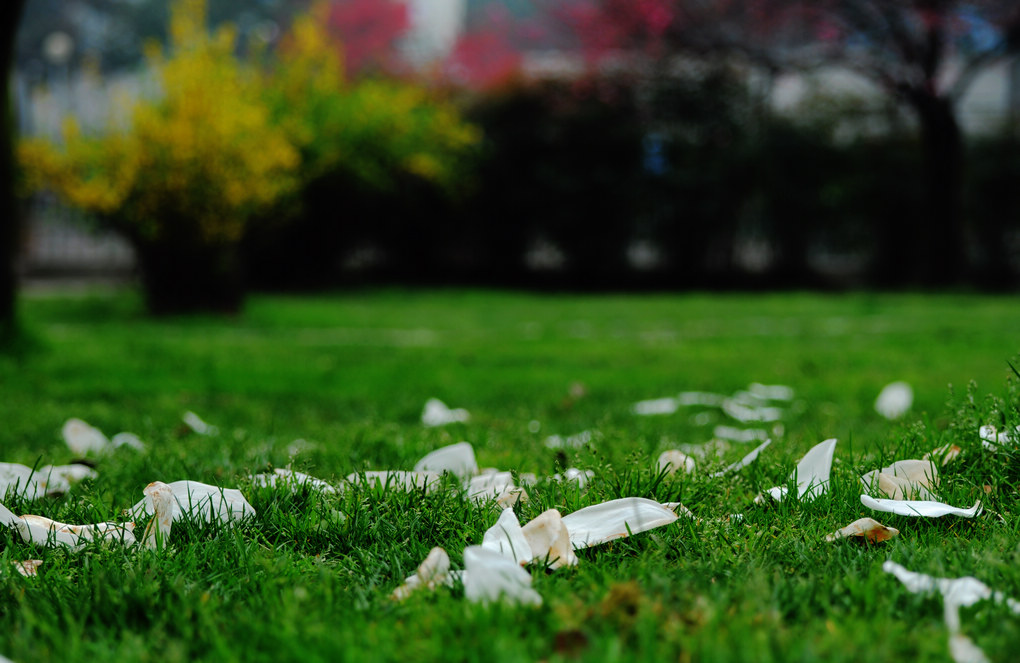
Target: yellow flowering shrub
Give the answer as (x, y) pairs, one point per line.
(197, 161)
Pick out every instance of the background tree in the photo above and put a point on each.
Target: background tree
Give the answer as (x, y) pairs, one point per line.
(10, 14)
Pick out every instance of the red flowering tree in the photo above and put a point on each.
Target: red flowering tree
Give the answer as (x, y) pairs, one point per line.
(370, 31)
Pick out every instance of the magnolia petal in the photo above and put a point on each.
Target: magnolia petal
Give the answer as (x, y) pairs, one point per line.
(740, 434)
(992, 438)
(549, 539)
(196, 501)
(20, 481)
(869, 529)
(291, 479)
(396, 480)
(81, 438)
(158, 531)
(28, 567)
(743, 462)
(745, 413)
(679, 509)
(926, 509)
(615, 519)
(7, 517)
(458, 459)
(431, 573)
(436, 413)
(576, 441)
(581, 477)
(772, 392)
(507, 538)
(812, 473)
(945, 454)
(491, 577)
(488, 485)
(655, 406)
(127, 440)
(904, 479)
(674, 460)
(894, 400)
(963, 650)
(195, 423)
(46, 532)
(702, 398)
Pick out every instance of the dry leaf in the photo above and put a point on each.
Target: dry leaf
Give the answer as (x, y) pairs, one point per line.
(615, 519)
(868, 529)
(491, 577)
(894, 400)
(811, 474)
(904, 480)
(549, 540)
(436, 413)
(925, 509)
(458, 459)
(674, 460)
(507, 538)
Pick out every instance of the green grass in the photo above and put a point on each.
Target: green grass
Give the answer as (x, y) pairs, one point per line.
(308, 579)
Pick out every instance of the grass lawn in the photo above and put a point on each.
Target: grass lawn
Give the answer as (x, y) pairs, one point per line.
(309, 577)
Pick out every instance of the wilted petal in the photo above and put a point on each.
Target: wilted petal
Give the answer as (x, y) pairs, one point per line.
(158, 531)
(576, 441)
(81, 438)
(291, 479)
(963, 650)
(656, 406)
(507, 538)
(743, 462)
(127, 440)
(992, 438)
(28, 567)
(674, 460)
(943, 454)
(869, 529)
(744, 413)
(458, 459)
(772, 392)
(195, 423)
(199, 501)
(903, 480)
(549, 539)
(59, 478)
(924, 509)
(432, 572)
(490, 577)
(46, 532)
(436, 413)
(19, 480)
(396, 479)
(894, 400)
(812, 473)
(700, 398)
(581, 477)
(615, 519)
(740, 434)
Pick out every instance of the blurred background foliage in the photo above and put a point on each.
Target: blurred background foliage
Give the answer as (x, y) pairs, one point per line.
(665, 167)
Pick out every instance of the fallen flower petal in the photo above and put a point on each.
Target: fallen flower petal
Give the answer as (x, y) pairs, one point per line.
(868, 529)
(615, 519)
(743, 462)
(963, 650)
(195, 423)
(549, 539)
(673, 460)
(740, 434)
(575, 441)
(291, 479)
(158, 531)
(655, 406)
(992, 438)
(200, 501)
(581, 477)
(28, 567)
(490, 577)
(396, 479)
(458, 459)
(431, 573)
(744, 413)
(772, 392)
(811, 474)
(926, 509)
(46, 532)
(894, 400)
(81, 438)
(904, 479)
(944, 454)
(436, 413)
(507, 538)
(127, 440)
(702, 398)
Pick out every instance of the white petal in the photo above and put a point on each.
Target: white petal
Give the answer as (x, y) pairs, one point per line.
(575, 441)
(44, 531)
(963, 650)
(656, 406)
(924, 509)
(292, 480)
(19, 480)
(743, 462)
(573, 474)
(867, 528)
(158, 531)
(740, 434)
(963, 592)
(904, 479)
(700, 398)
(195, 500)
(945, 454)
(7, 517)
(195, 423)
(436, 413)
(397, 479)
(744, 414)
(82, 438)
(431, 573)
(674, 460)
(894, 400)
(812, 473)
(992, 439)
(614, 519)
(489, 485)
(507, 538)
(549, 539)
(127, 440)
(458, 459)
(772, 392)
(489, 577)
(28, 567)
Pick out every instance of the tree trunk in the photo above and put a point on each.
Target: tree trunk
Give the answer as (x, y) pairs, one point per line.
(937, 256)
(10, 14)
